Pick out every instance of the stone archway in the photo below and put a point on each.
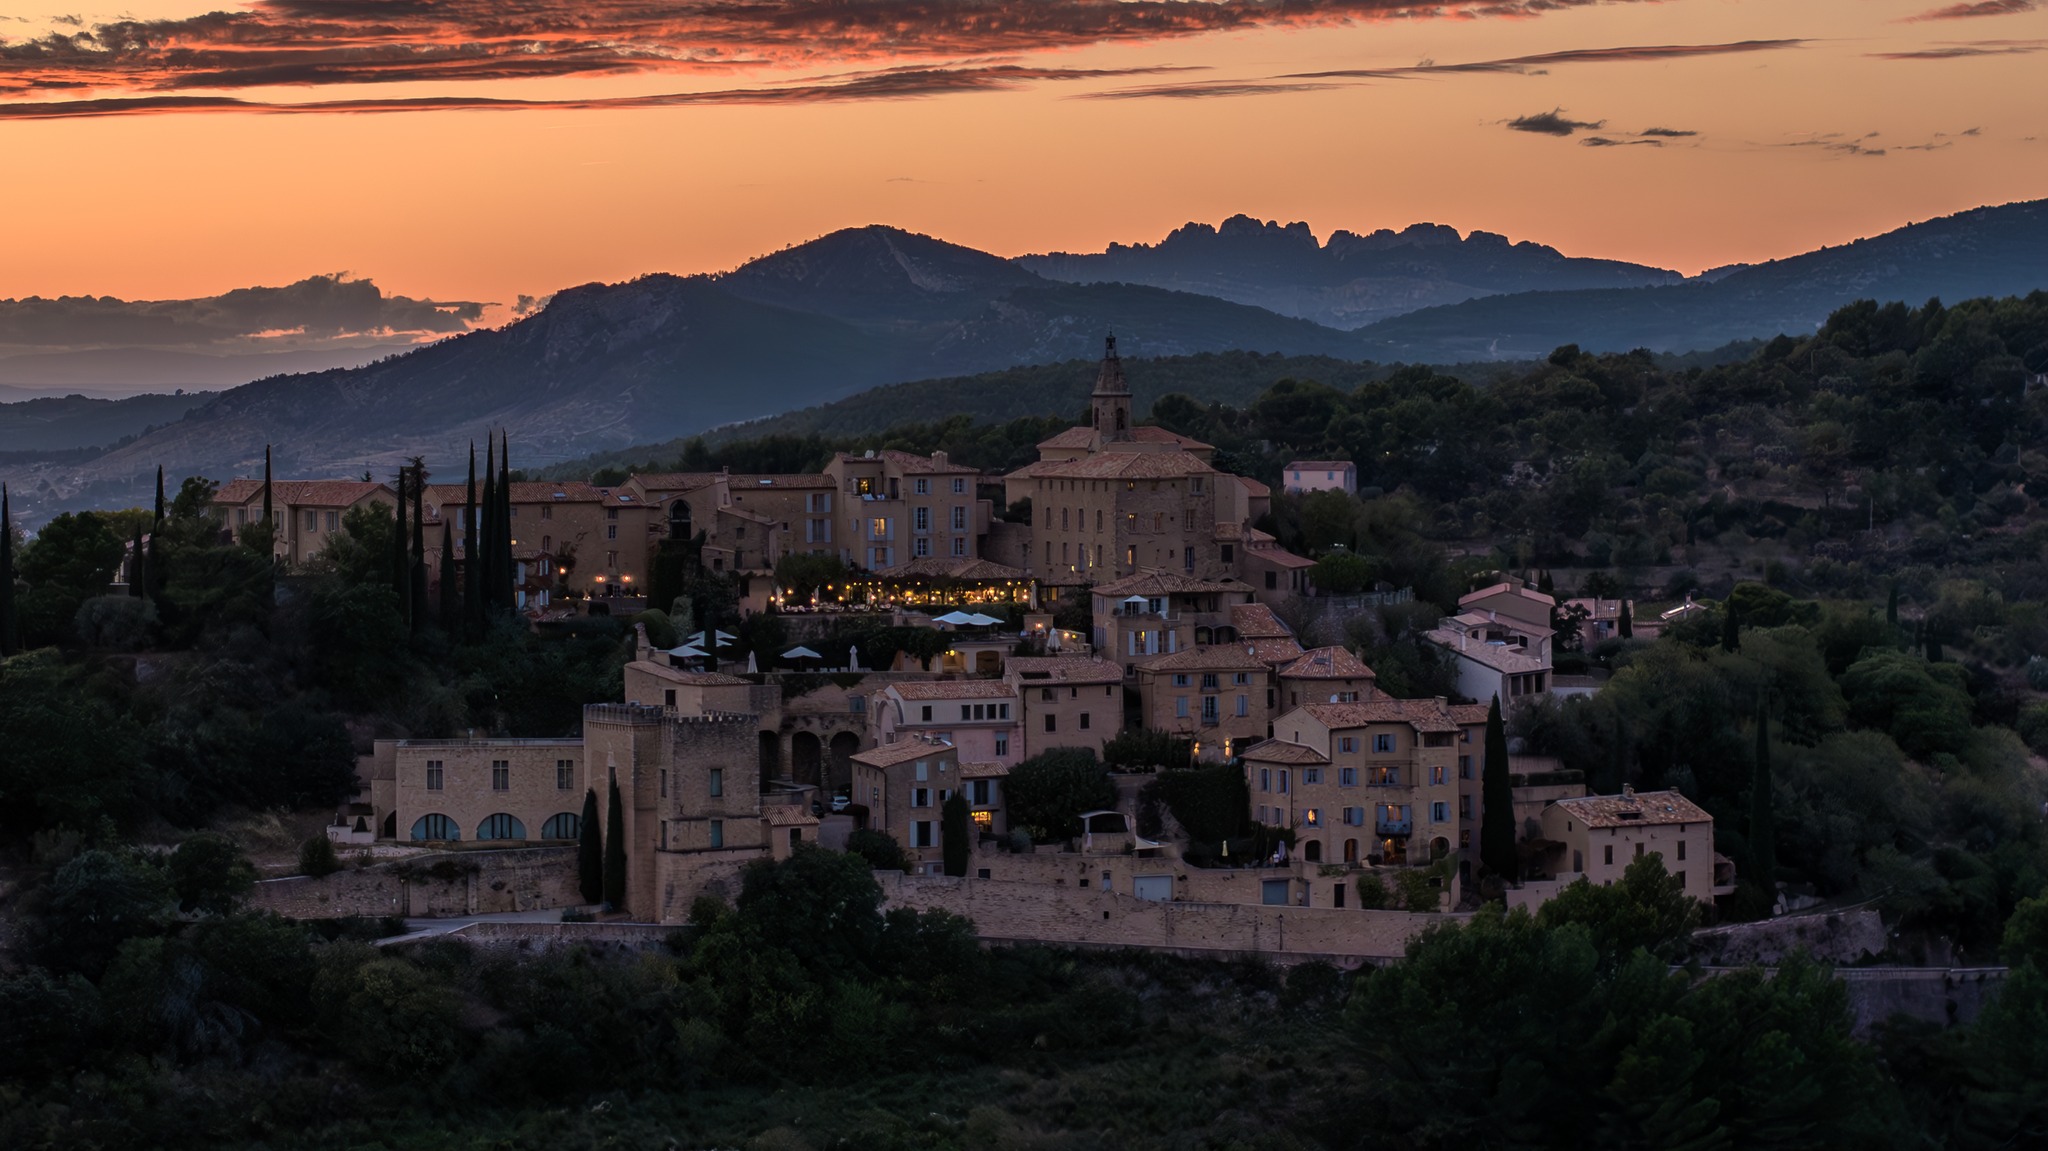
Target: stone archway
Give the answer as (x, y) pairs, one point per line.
(806, 757)
(844, 745)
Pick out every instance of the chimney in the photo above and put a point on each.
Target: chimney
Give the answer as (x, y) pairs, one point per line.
(941, 459)
(1628, 791)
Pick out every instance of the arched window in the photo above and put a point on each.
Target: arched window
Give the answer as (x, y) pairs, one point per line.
(500, 826)
(435, 826)
(1439, 847)
(565, 825)
(1204, 636)
(1312, 851)
(1351, 851)
(679, 520)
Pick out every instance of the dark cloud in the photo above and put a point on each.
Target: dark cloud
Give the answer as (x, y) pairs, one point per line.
(1965, 49)
(891, 84)
(1552, 123)
(1534, 65)
(317, 310)
(1668, 133)
(361, 42)
(1609, 142)
(1839, 143)
(1200, 89)
(1978, 8)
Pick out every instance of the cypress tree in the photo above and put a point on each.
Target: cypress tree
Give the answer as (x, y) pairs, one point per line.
(1627, 624)
(1497, 802)
(589, 851)
(451, 595)
(484, 553)
(416, 569)
(1763, 824)
(507, 600)
(1891, 607)
(615, 850)
(269, 518)
(472, 571)
(953, 832)
(1731, 628)
(401, 565)
(156, 527)
(10, 627)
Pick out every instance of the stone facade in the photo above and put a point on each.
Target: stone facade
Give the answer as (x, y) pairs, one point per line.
(1075, 701)
(307, 513)
(1598, 836)
(476, 790)
(982, 718)
(443, 884)
(903, 787)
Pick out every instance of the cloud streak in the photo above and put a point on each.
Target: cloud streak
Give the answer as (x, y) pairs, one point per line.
(1971, 11)
(352, 43)
(1963, 50)
(1552, 123)
(1534, 65)
(318, 310)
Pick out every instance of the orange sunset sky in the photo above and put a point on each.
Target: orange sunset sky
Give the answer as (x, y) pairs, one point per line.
(176, 154)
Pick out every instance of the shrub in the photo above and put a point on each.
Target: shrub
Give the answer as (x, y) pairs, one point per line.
(2037, 673)
(317, 858)
(879, 848)
(1142, 749)
(116, 622)
(1048, 792)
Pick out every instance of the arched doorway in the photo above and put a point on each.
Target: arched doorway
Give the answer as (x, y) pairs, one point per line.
(679, 520)
(1312, 851)
(1351, 851)
(771, 756)
(843, 746)
(806, 757)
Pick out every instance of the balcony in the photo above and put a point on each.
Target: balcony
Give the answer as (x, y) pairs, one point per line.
(1386, 826)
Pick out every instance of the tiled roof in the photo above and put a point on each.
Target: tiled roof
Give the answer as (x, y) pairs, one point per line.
(1421, 714)
(1327, 663)
(1467, 714)
(1143, 434)
(304, 493)
(523, 492)
(672, 481)
(1071, 438)
(1625, 810)
(1219, 657)
(1499, 656)
(954, 689)
(1064, 669)
(690, 678)
(788, 815)
(949, 567)
(1506, 589)
(910, 462)
(1281, 751)
(1480, 619)
(763, 481)
(1318, 465)
(1153, 581)
(1277, 557)
(1274, 649)
(1256, 621)
(1127, 466)
(1254, 487)
(984, 770)
(902, 751)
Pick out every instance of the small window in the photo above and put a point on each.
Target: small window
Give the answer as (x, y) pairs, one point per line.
(1610, 853)
(920, 797)
(1052, 722)
(1681, 851)
(565, 774)
(1383, 743)
(1084, 721)
(718, 833)
(1347, 777)
(435, 778)
(501, 775)
(716, 778)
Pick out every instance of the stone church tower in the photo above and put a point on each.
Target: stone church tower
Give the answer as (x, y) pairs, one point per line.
(1112, 398)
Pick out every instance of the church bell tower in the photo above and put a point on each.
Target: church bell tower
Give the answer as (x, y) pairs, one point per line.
(1112, 397)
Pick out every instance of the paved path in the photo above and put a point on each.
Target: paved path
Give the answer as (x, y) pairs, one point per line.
(417, 929)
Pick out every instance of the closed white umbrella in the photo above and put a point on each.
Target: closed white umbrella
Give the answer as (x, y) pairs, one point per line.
(752, 665)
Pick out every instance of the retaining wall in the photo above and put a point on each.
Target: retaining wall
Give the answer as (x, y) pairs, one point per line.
(431, 886)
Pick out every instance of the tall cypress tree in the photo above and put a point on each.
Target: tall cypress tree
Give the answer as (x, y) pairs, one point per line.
(1731, 627)
(472, 568)
(401, 563)
(1763, 823)
(507, 601)
(1891, 607)
(589, 851)
(1627, 624)
(416, 569)
(269, 517)
(615, 850)
(1497, 802)
(10, 626)
(451, 595)
(953, 831)
(156, 528)
(485, 554)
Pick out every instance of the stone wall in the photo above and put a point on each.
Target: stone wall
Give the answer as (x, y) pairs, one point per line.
(1832, 937)
(1010, 911)
(442, 885)
(1951, 997)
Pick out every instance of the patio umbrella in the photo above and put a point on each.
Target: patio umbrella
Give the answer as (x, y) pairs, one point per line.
(956, 618)
(801, 653)
(980, 620)
(687, 651)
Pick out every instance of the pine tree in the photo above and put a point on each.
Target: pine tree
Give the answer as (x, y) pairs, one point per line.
(1763, 824)
(615, 851)
(589, 852)
(10, 626)
(1627, 624)
(953, 833)
(451, 594)
(1497, 802)
(1731, 628)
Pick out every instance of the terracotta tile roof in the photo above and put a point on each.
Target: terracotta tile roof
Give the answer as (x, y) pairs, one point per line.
(788, 815)
(1626, 810)
(1254, 487)
(1318, 465)
(690, 678)
(1219, 657)
(1256, 621)
(671, 481)
(1076, 669)
(910, 462)
(1274, 649)
(1153, 581)
(1499, 656)
(953, 689)
(903, 751)
(1071, 438)
(1506, 589)
(1278, 557)
(523, 492)
(304, 493)
(765, 481)
(1143, 434)
(1128, 466)
(1467, 714)
(984, 770)
(1281, 751)
(950, 567)
(1420, 714)
(1327, 663)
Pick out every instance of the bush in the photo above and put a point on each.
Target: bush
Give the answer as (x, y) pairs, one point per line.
(879, 848)
(1209, 802)
(2033, 727)
(1142, 749)
(116, 622)
(1048, 792)
(2037, 673)
(317, 858)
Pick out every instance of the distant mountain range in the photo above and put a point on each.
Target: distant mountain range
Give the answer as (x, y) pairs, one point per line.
(1349, 281)
(603, 367)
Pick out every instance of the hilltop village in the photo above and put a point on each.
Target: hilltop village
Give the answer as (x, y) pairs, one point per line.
(1118, 603)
